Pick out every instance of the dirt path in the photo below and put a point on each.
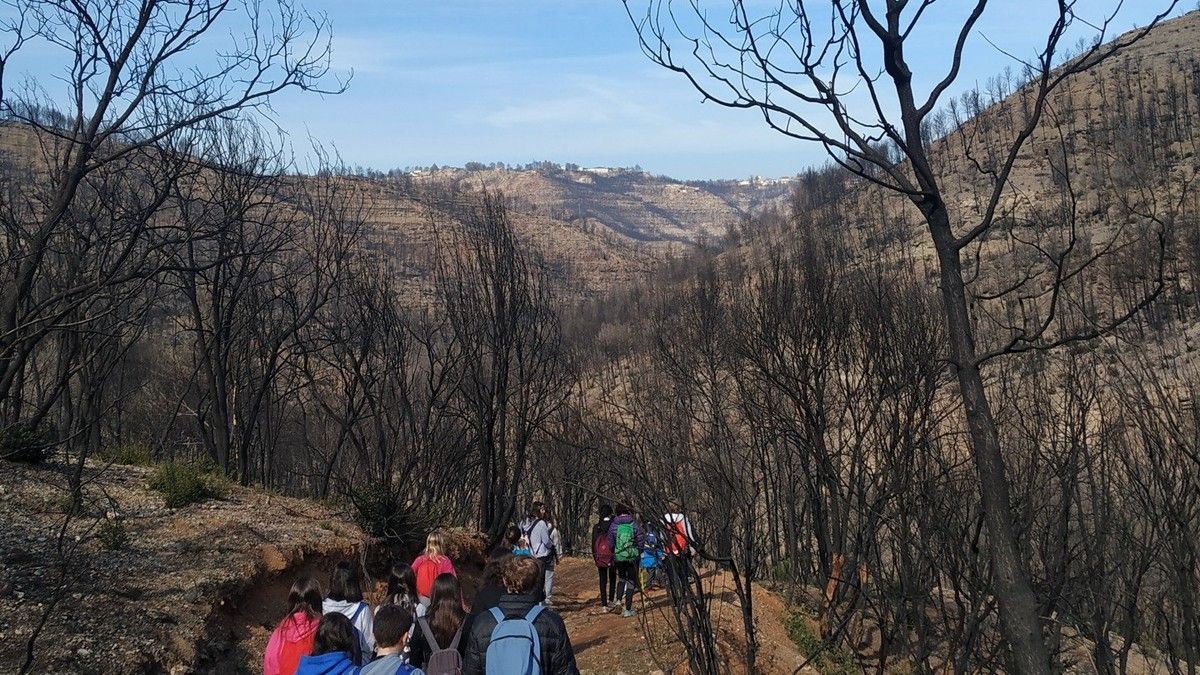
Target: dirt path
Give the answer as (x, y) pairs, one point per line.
(607, 643)
(604, 642)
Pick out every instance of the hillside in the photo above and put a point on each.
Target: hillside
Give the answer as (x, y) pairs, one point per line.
(165, 597)
(1110, 170)
(1115, 135)
(594, 229)
(633, 204)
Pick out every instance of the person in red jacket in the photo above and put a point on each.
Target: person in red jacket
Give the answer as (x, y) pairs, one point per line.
(430, 565)
(293, 637)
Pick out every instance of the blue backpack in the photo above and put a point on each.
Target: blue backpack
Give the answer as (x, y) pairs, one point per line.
(516, 648)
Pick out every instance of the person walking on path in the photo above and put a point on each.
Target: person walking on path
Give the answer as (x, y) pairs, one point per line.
(439, 631)
(626, 537)
(293, 637)
(602, 554)
(335, 648)
(678, 543)
(431, 564)
(536, 529)
(346, 597)
(392, 625)
(500, 640)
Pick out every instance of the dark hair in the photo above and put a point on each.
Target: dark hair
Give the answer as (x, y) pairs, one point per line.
(402, 586)
(605, 511)
(521, 574)
(305, 597)
(511, 536)
(445, 609)
(534, 508)
(335, 633)
(493, 572)
(622, 510)
(344, 584)
(391, 625)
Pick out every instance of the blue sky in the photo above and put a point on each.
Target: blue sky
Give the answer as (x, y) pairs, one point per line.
(452, 81)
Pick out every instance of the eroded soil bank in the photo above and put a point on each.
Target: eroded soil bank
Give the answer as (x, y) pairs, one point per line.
(180, 592)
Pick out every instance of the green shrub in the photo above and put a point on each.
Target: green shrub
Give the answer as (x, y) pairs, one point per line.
(826, 658)
(182, 484)
(135, 454)
(25, 443)
(112, 534)
(383, 513)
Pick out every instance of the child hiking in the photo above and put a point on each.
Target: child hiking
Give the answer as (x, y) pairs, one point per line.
(537, 531)
(626, 538)
(431, 564)
(346, 598)
(439, 632)
(519, 635)
(652, 557)
(293, 637)
(602, 554)
(392, 624)
(677, 543)
(335, 648)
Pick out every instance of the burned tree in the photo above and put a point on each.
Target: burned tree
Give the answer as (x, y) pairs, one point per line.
(796, 63)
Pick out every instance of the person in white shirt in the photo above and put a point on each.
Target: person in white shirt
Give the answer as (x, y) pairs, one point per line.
(539, 530)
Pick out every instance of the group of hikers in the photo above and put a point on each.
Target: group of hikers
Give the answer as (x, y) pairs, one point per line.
(424, 626)
(629, 558)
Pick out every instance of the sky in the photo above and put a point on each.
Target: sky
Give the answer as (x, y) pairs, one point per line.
(451, 81)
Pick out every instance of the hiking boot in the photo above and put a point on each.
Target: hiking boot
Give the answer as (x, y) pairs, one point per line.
(628, 613)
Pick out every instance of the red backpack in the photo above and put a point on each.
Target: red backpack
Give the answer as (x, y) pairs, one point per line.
(678, 543)
(602, 550)
(289, 655)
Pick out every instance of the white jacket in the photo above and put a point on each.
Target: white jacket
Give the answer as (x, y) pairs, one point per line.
(539, 537)
(363, 619)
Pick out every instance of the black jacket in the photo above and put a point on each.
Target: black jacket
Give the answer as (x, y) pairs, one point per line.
(558, 657)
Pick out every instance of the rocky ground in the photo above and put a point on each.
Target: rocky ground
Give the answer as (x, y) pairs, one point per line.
(164, 600)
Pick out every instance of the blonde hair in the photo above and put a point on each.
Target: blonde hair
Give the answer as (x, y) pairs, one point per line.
(435, 544)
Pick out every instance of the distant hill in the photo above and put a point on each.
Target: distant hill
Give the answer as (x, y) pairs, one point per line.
(595, 229)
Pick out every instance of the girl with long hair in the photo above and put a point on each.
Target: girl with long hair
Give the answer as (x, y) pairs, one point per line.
(443, 621)
(431, 564)
(335, 648)
(293, 637)
(346, 598)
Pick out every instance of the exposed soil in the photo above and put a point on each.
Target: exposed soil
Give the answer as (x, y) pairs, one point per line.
(161, 601)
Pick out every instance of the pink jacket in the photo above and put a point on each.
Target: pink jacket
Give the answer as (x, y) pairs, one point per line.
(295, 628)
(425, 581)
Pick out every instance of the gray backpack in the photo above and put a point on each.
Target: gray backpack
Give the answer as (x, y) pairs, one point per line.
(442, 661)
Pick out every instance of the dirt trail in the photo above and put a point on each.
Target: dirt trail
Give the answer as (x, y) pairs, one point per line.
(607, 643)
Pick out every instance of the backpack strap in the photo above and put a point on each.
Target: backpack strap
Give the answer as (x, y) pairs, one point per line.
(497, 615)
(425, 630)
(354, 617)
(457, 637)
(534, 613)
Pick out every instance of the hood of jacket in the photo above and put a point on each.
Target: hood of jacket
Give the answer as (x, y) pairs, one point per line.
(298, 627)
(346, 607)
(333, 663)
